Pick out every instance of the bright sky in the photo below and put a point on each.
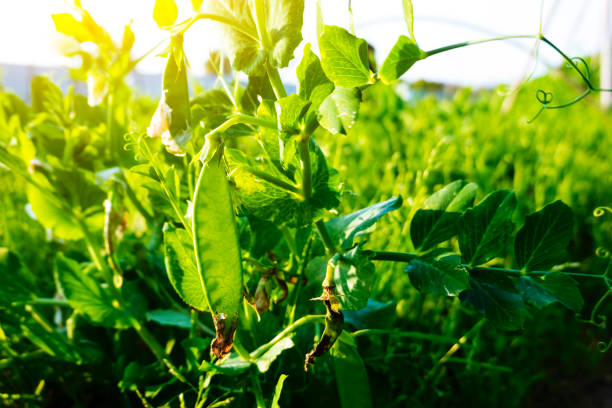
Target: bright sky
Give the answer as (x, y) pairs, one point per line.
(28, 35)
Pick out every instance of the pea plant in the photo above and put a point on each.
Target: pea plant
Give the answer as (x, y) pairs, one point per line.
(246, 208)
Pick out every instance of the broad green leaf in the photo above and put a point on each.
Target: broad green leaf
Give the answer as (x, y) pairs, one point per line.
(338, 111)
(264, 362)
(486, 229)
(171, 120)
(445, 276)
(401, 58)
(278, 390)
(351, 375)
(46, 96)
(52, 215)
(344, 58)
(543, 290)
(87, 296)
(409, 16)
(211, 108)
(345, 229)
(543, 240)
(165, 12)
(375, 315)
(217, 251)
(493, 293)
(313, 85)
(438, 221)
(353, 276)
(270, 202)
(181, 267)
(247, 51)
(170, 318)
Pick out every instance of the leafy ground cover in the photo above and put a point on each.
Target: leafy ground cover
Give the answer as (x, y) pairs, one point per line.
(340, 245)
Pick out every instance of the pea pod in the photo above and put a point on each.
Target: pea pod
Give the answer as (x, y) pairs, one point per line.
(171, 119)
(217, 251)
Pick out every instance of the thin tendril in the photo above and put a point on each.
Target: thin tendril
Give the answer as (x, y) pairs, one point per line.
(600, 211)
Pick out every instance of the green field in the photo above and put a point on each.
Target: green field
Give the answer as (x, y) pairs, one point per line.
(362, 242)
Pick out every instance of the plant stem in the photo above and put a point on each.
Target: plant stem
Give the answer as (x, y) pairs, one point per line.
(257, 389)
(486, 40)
(158, 350)
(306, 167)
(289, 329)
(298, 285)
(49, 302)
(275, 81)
(109, 125)
(393, 256)
(324, 234)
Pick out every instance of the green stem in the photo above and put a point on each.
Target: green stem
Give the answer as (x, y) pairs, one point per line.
(306, 167)
(324, 234)
(257, 389)
(393, 256)
(275, 81)
(112, 149)
(287, 330)
(158, 351)
(261, 23)
(486, 40)
(298, 286)
(49, 302)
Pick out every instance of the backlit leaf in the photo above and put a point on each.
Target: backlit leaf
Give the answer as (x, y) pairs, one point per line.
(401, 58)
(338, 111)
(165, 12)
(344, 57)
(445, 276)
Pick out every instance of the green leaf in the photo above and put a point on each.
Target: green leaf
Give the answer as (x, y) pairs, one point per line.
(247, 51)
(495, 294)
(543, 290)
(344, 58)
(170, 318)
(165, 12)
(409, 16)
(278, 390)
(233, 365)
(444, 277)
(375, 315)
(181, 267)
(351, 375)
(338, 111)
(87, 296)
(217, 251)
(345, 229)
(171, 120)
(439, 220)
(543, 240)
(401, 58)
(486, 229)
(265, 361)
(313, 85)
(353, 276)
(265, 200)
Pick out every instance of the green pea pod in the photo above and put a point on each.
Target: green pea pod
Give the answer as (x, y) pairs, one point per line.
(171, 119)
(217, 251)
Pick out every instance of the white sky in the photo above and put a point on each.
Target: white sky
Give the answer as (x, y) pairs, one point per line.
(27, 34)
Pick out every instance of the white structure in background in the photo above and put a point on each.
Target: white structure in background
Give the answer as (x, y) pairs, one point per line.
(606, 57)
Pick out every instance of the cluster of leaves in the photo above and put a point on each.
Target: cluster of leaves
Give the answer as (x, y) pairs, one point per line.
(237, 198)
